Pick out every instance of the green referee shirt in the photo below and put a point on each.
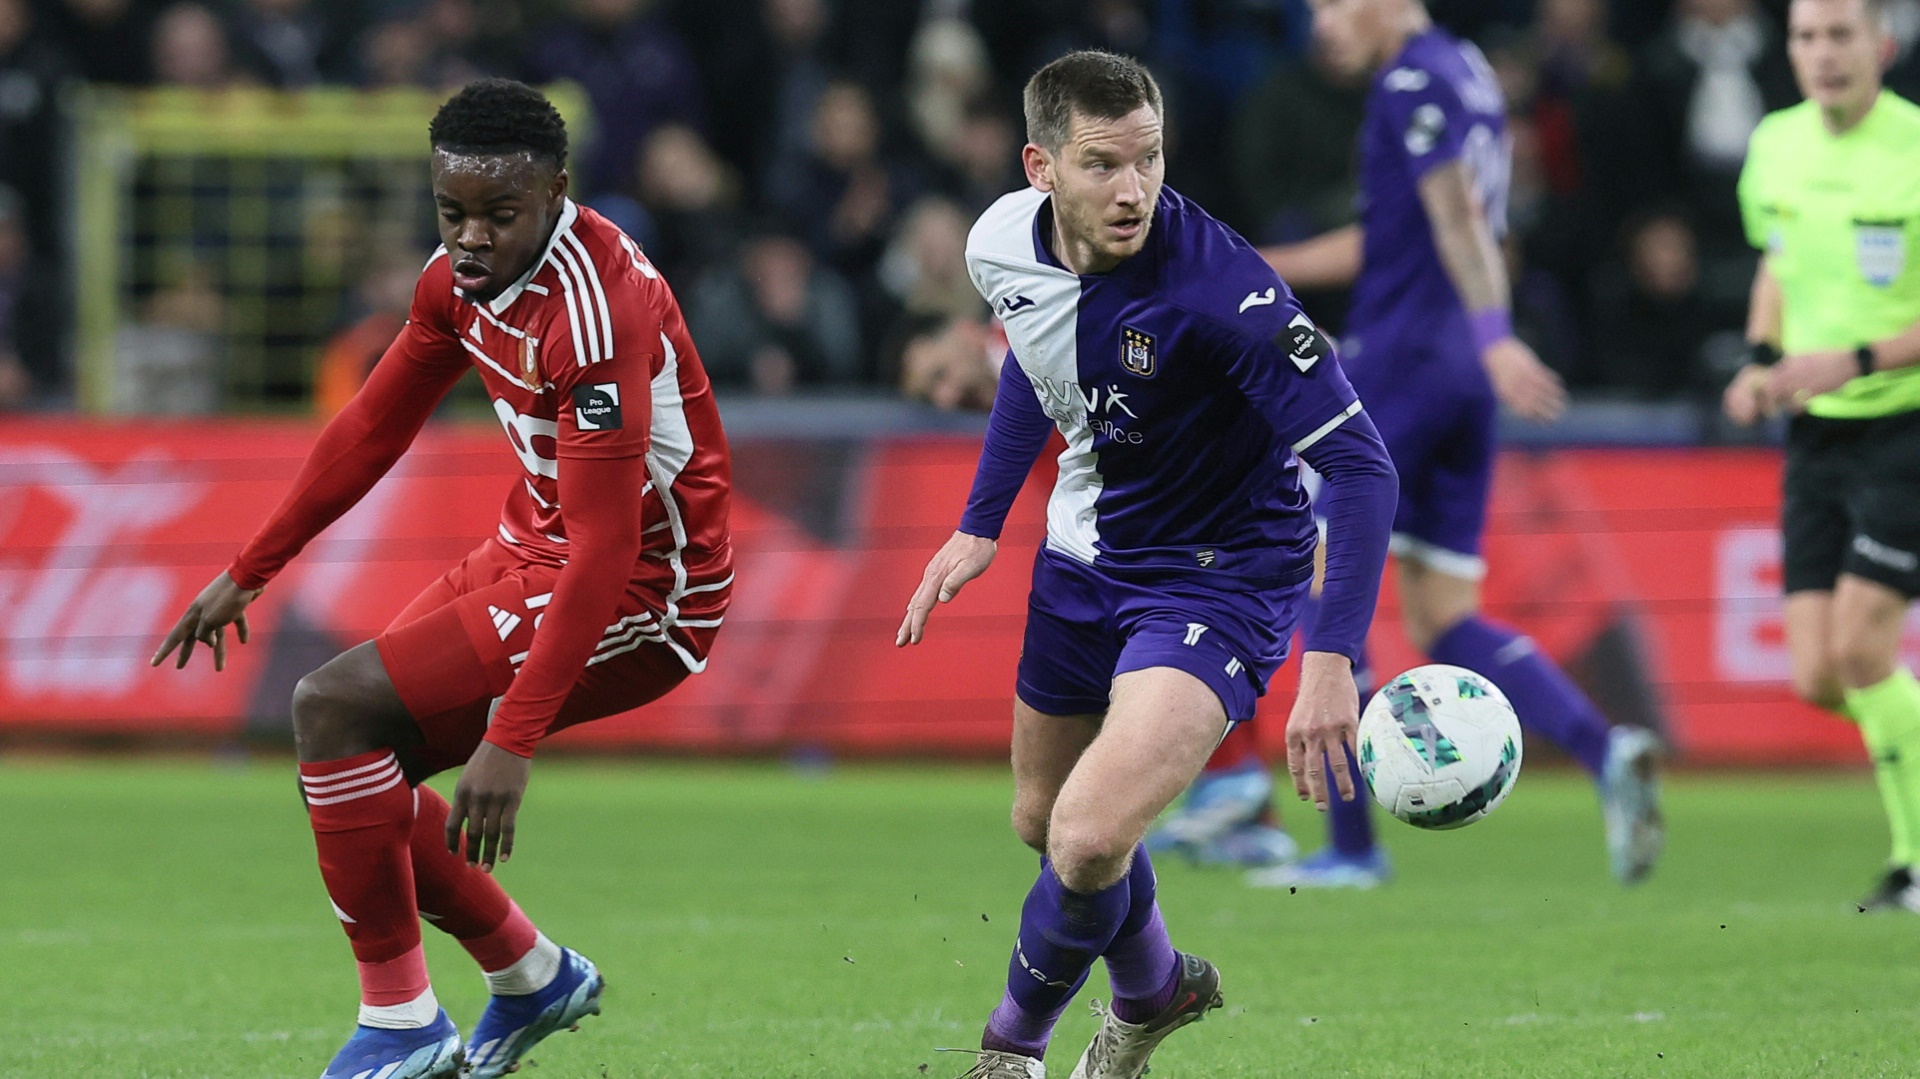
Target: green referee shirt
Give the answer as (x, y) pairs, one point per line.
(1839, 219)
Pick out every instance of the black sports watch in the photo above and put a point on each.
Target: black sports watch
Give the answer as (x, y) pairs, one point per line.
(1865, 358)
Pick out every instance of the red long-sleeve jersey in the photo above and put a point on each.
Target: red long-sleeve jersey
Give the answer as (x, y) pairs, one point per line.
(605, 404)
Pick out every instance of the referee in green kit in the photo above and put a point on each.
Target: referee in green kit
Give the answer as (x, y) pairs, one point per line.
(1831, 196)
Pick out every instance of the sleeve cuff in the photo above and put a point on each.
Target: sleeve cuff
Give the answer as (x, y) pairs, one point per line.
(1327, 428)
(519, 747)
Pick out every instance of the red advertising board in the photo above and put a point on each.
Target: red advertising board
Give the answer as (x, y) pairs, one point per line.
(1652, 573)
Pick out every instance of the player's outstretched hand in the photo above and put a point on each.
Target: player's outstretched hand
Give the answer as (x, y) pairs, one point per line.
(1796, 379)
(218, 605)
(1746, 398)
(1522, 382)
(959, 560)
(486, 801)
(1324, 725)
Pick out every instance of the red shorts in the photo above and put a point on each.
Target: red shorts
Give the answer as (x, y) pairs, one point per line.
(456, 648)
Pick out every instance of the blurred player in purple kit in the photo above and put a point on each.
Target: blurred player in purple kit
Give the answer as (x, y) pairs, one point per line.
(1180, 543)
(1430, 348)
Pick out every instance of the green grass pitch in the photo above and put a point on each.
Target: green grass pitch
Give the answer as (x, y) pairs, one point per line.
(166, 919)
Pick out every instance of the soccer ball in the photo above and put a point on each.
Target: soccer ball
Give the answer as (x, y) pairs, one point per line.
(1439, 746)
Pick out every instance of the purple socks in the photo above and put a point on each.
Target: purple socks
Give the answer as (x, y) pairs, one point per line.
(1350, 822)
(1141, 963)
(1061, 933)
(1547, 701)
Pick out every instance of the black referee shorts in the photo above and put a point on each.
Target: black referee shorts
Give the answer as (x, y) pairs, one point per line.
(1853, 502)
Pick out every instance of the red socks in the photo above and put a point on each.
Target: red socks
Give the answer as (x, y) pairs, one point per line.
(362, 814)
(384, 857)
(461, 900)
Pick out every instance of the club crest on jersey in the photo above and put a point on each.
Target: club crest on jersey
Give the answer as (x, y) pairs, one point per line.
(1136, 352)
(1880, 249)
(529, 363)
(1424, 128)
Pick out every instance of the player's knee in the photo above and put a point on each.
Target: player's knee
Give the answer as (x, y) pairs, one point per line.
(326, 726)
(1818, 684)
(1088, 857)
(1420, 634)
(1030, 823)
(1860, 660)
(1424, 626)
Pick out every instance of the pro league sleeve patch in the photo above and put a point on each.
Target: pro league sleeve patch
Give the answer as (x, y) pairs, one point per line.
(1303, 343)
(597, 407)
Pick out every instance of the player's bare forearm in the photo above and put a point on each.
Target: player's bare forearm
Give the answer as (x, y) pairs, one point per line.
(1329, 260)
(1479, 275)
(1900, 350)
(1463, 237)
(1798, 378)
(1763, 307)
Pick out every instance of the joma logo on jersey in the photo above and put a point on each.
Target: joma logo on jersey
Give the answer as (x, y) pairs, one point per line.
(1136, 351)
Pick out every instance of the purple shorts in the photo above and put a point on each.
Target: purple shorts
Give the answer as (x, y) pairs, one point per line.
(1438, 418)
(1086, 626)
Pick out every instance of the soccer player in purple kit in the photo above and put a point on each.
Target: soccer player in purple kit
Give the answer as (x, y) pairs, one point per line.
(1180, 545)
(1430, 347)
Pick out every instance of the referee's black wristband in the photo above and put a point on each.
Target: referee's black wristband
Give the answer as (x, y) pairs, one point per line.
(1865, 358)
(1762, 354)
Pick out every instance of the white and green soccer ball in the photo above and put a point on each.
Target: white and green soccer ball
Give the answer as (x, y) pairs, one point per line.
(1439, 746)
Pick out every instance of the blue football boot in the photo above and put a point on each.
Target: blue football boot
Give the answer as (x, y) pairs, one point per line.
(511, 1026)
(1216, 804)
(1249, 846)
(429, 1052)
(1328, 869)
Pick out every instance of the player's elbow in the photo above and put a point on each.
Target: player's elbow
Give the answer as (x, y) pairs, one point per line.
(619, 539)
(1372, 473)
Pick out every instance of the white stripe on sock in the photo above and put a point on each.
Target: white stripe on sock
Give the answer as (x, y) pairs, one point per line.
(367, 793)
(335, 777)
(392, 769)
(530, 973)
(412, 1015)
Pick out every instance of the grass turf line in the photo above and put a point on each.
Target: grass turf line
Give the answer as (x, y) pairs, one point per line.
(166, 920)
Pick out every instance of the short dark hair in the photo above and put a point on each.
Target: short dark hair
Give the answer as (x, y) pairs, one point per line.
(500, 116)
(1096, 84)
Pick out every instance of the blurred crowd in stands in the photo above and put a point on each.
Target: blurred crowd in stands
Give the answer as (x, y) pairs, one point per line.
(805, 171)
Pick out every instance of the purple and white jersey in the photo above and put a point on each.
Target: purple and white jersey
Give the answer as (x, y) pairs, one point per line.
(1436, 102)
(1184, 381)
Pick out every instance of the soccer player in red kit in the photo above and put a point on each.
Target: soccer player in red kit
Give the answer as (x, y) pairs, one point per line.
(601, 591)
